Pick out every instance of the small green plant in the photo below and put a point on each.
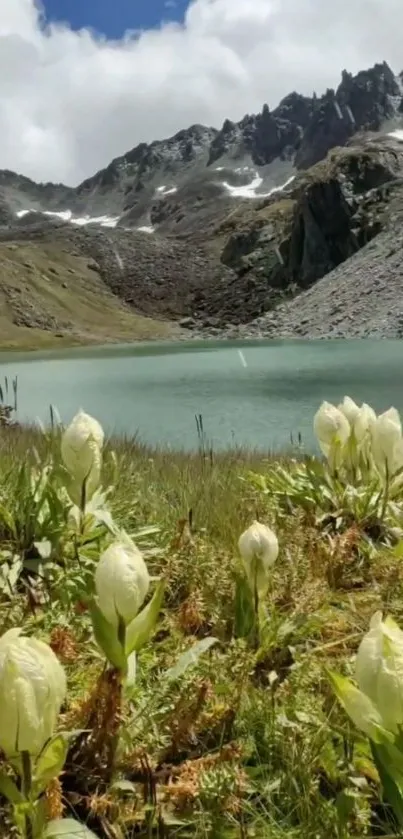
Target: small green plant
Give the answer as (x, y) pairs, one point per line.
(113, 587)
(32, 690)
(376, 704)
(258, 547)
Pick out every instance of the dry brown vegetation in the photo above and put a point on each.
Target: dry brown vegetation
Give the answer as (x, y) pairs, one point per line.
(53, 297)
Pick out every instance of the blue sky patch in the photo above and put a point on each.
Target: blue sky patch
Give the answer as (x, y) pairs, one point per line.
(114, 17)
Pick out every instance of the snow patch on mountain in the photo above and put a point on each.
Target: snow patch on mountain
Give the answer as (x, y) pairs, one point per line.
(397, 134)
(250, 190)
(243, 169)
(246, 191)
(164, 190)
(67, 215)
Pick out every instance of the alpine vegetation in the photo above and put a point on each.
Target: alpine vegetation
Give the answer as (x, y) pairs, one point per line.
(376, 704)
(176, 630)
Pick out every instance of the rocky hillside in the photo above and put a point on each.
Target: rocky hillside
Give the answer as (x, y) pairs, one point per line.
(214, 229)
(52, 295)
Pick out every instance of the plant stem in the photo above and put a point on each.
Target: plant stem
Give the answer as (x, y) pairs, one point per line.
(386, 496)
(26, 788)
(256, 633)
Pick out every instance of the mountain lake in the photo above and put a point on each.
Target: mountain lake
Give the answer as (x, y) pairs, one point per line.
(260, 394)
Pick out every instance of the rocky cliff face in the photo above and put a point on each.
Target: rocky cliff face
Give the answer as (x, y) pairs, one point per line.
(360, 103)
(217, 227)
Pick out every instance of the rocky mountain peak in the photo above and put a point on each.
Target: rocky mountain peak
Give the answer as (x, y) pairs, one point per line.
(296, 108)
(265, 148)
(221, 225)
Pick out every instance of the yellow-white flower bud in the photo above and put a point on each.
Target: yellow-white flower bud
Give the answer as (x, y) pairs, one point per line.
(258, 547)
(379, 670)
(387, 442)
(81, 447)
(331, 427)
(121, 582)
(364, 421)
(32, 690)
(350, 409)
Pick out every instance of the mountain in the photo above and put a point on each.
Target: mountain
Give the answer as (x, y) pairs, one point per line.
(214, 229)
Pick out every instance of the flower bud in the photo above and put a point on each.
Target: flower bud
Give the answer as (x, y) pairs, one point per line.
(32, 690)
(364, 421)
(379, 670)
(331, 428)
(350, 410)
(387, 442)
(81, 450)
(121, 582)
(258, 547)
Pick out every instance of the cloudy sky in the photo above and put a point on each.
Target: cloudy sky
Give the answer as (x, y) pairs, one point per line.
(82, 81)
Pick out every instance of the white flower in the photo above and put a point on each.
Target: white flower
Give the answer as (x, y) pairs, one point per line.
(387, 442)
(258, 547)
(81, 450)
(379, 670)
(331, 427)
(121, 582)
(350, 410)
(32, 690)
(364, 421)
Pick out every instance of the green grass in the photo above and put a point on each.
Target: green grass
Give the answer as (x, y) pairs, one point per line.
(240, 746)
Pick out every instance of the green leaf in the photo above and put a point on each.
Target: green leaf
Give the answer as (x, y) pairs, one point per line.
(68, 829)
(139, 630)
(106, 636)
(245, 616)
(50, 762)
(44, 548)
(345, 803)
(190, 658)
(104, 517)
(131, 670)
(34, 566)
(8, 520)
(9, 789)
(124, 787)
(10, 573)
(392, 789)
(360, 709)
(397, 551)
(170, 820)
(142, 532)
(20, 813)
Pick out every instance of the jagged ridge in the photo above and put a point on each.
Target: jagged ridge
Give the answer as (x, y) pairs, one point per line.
(224, 252)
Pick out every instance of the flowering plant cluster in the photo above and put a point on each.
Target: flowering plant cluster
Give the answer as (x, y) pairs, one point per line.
(33, 683)
(359, 444)
(359, 479)
(363, 459)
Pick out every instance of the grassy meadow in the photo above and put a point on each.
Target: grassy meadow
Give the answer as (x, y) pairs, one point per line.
(237, 739)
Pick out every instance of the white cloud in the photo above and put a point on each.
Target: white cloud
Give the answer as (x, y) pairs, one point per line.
(70, 102)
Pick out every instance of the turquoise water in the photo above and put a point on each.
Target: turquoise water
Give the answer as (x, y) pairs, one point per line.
(156, 391)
